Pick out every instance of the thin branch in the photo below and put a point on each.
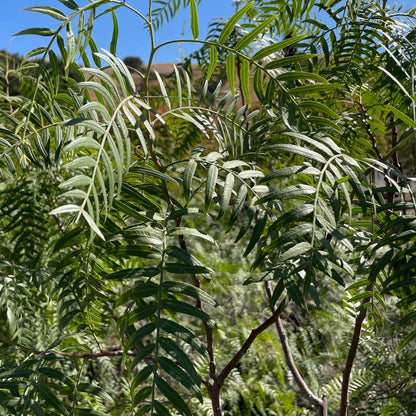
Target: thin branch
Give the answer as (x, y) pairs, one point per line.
(62, 228)
(253, 335)
(101, 353)
(351, 356)
(314, 399)
(220, 379)
(59, 223)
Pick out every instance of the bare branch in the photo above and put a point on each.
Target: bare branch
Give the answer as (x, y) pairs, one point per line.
(101, 353)
(314, 399)
(351, 356)
(220, 379)
(253, 335)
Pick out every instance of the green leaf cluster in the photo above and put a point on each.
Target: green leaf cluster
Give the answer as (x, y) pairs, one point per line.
(155, 228)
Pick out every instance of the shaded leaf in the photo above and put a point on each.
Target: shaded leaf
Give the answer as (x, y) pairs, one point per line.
(50, 11)
(212, 176)
(180, 375)
(182, 333)
(213, 58)
(227, 193)
(256, 234)
(114, 37)
(185, 308)
(40, 31)
(172, 396)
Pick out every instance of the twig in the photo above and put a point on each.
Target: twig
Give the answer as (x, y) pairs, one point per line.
(253, 335)
(220, 379)
(101, 353)
(59, 223)
(314, 399)
(351, 356)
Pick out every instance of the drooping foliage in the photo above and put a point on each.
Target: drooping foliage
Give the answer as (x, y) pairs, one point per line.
(165, 237)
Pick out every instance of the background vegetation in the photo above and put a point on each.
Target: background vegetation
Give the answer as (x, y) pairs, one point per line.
(240, 244)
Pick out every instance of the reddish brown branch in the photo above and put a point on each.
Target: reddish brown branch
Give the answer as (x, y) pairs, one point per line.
(220, 379)
(351, 356)
(101, 353)
(253, 335)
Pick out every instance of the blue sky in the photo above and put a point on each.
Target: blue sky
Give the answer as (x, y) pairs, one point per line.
(133, 40)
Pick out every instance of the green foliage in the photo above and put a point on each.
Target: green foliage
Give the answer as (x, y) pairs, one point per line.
(140, 225)
(133, 61)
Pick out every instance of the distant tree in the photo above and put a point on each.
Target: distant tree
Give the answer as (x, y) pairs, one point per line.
(20, 72)
(133, 62)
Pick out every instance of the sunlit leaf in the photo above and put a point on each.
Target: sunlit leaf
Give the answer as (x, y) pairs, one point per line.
(172, 396)
(188, 175)
(190, 232)
(50, 11)
(194, 19)
(230, 25)
(213, 58)
(230, 70)
(278, 46)
(245, 80)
